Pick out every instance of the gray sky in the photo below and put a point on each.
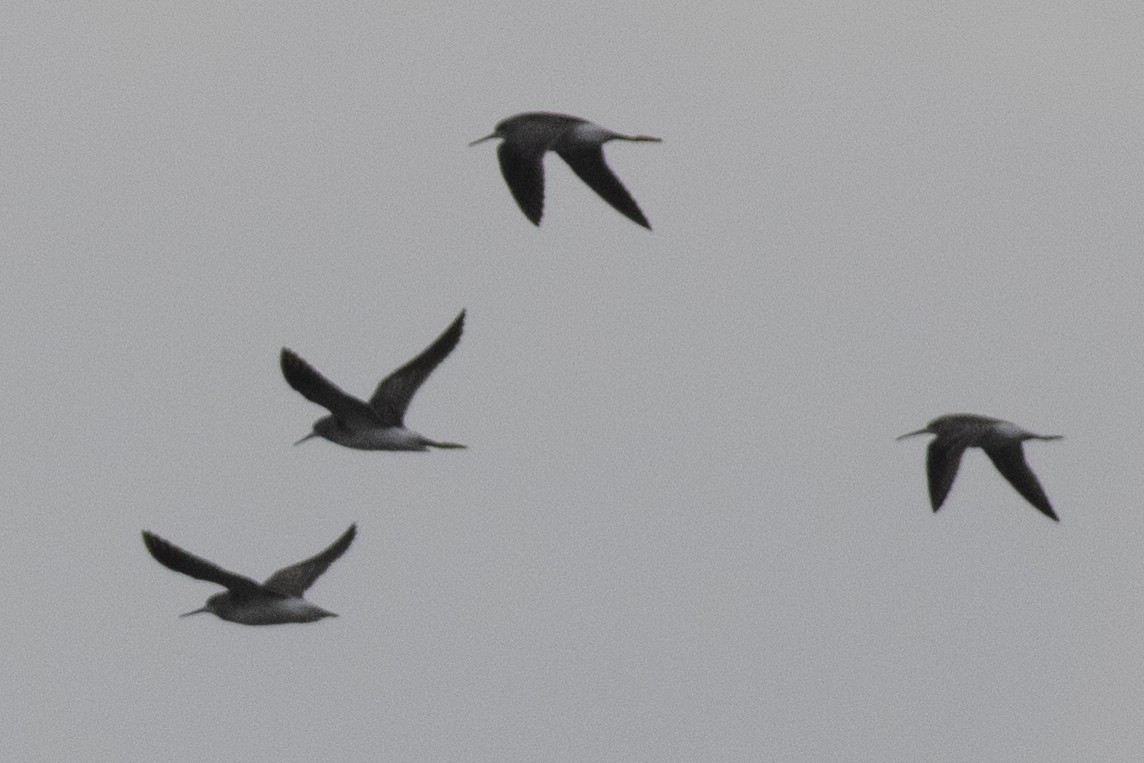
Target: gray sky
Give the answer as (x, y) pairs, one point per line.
(683, 529)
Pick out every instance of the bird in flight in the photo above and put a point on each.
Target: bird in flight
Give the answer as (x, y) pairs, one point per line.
(248, 602)
(1000, 440)
(525, 139)
(379, 423)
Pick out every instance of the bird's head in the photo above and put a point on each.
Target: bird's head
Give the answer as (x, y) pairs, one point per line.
(212, 606)
(322, 428)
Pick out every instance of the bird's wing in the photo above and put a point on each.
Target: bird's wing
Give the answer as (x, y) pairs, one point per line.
(318, 389)
(1010, 461)
(172, 557)
(588, 164)
(394, 392)
(295, 579)
(942, 459)
(522, 166)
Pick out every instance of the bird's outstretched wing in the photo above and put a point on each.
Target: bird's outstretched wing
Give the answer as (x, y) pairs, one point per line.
(295, 579)
(1010, 461)
(318, 389)
(394, 392)
(522, 166)
(589, 165)
(172, 557)
(943, 457)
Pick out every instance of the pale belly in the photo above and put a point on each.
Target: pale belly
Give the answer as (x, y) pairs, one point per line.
(294, 610)
(390, 438)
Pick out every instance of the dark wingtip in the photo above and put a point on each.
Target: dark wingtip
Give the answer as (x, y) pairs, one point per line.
(345, 539)
(286, 358)
(635, 215)
(457, 326)
(150, 540)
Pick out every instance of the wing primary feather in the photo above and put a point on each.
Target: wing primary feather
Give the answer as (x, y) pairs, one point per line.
(394, 392)
(295, 579)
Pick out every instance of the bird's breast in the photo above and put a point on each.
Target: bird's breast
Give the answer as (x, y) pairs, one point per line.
(380, 438)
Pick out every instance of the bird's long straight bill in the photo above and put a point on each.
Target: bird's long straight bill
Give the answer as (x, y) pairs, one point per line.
(307, 437)
(911, 434)
(196, 612)
(482, 140)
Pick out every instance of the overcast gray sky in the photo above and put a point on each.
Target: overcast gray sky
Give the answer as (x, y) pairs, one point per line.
(683, 529)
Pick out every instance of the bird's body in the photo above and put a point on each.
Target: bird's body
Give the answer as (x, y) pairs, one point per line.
(379, 423)
(271, 610)
(371, 438)
(580, 143)
(246, 601)
(1001, 441)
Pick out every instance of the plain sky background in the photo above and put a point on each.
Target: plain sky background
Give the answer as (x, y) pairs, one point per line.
(683, 529)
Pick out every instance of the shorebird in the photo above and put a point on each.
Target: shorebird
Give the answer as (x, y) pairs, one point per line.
(1000, 440)
(278, 600)
(578, 142)
(378, 424)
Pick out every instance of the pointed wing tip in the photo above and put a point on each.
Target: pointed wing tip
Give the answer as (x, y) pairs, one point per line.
(153, 542)
(150, 541)
(1045, 508)
(343, 542)
(634, 213)
(161, 549)
(289, 361)
(452, 335)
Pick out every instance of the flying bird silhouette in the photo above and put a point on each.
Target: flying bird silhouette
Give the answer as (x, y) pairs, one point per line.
(379, 423)
(525, 139)
(245, 601)
(1001, 441)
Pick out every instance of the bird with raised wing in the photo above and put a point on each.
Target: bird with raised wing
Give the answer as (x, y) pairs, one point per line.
(378, 424)
(248, 602)
(1001, 441)
(526, 138)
